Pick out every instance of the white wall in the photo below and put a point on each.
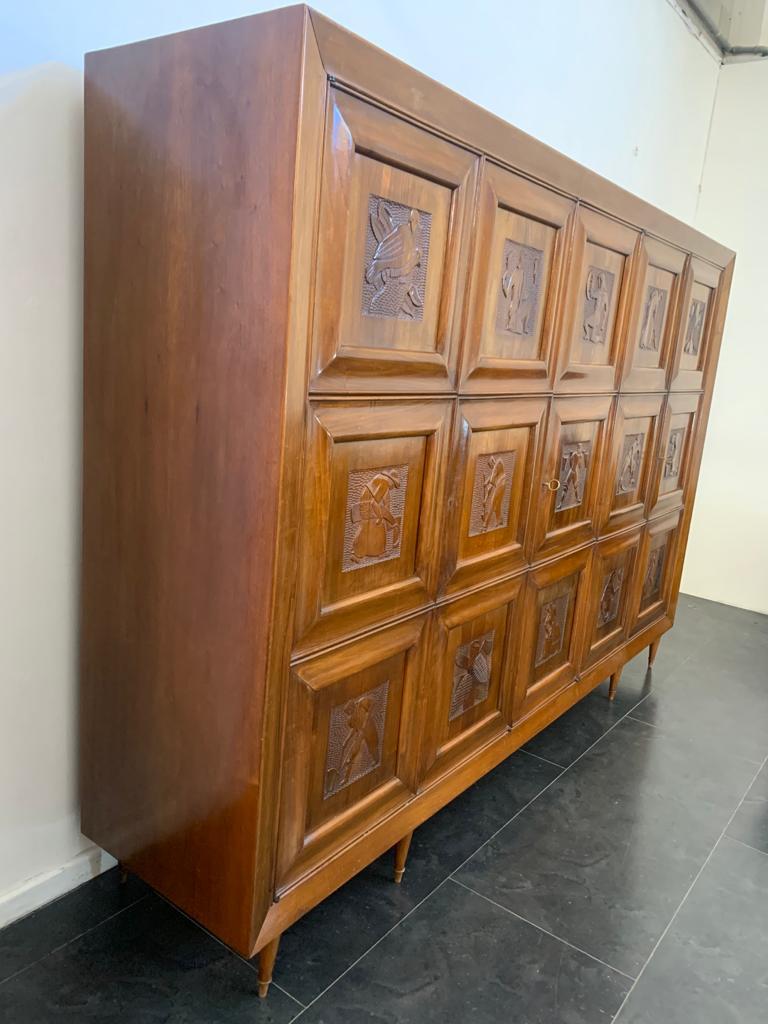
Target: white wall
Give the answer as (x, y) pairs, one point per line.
(727, 557)
(621, 86)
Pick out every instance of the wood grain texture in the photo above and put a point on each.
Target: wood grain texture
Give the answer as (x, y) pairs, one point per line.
(365, 504)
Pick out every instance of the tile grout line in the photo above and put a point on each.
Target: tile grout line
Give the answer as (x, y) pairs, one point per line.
(689, 890)
(522, 750)
(370, 948)
(544, 790)
(80, 935)
(538, 927)
(741, 842)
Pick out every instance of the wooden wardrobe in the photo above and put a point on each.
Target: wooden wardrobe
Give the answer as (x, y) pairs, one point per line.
(393, 421)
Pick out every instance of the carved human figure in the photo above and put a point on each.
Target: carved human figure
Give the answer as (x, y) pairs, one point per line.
(599, 297)
(672, 459)
(609, 599)
(653, 572)
(396, 256)
(472, 673)
(653, 315)
(573, 473)
(695, 327)
(518, 284)
(362, 736)
(549, 637)
(378, 530)
(494, 485)
(629, 469)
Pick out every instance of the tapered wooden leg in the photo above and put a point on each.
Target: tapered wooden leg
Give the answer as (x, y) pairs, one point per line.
(267, 957)
(401, 853)
(123, 874)
(653, 650)
(614, 685)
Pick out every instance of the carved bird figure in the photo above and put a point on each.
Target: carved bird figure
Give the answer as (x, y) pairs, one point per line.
(362, 734)
(475, 669)
(397, 253)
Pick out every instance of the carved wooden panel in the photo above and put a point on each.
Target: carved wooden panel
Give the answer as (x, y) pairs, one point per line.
(497, 442)
(393, 247)
(553, 633)
(565, 500)
(352, 727)
(652, 317)
(517, 278)
(656, 568)
(611, 589)
(675, 451)
(630, 465)
(600, 278)
(372, 515)
(473, 643)
(696, 325)
(396, 260)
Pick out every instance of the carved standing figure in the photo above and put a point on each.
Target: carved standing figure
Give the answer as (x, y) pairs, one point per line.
(596, 321)
(672, 460)
(653, 315)
(518, 290)
(378, 529)
(573, 476)
(396, 256)
(473, 672)
(494, 485)
(630, 467)
(609, 599)
(362, 736)
(695, 327)
(549, 636)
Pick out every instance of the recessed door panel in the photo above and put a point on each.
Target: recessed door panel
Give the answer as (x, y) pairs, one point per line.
(600, 278)
(564, 501)
(653, 316)
(630, 465)
(392, 253)
(468, 696)
(552, 637)
(611, 586)
(695, 327)
(517, 280)
(657, 563)
(372, 515)
(675, 452)
(350, 752)
(497, 444)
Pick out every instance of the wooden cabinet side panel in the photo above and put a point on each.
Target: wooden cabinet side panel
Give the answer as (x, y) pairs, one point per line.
(189, 204)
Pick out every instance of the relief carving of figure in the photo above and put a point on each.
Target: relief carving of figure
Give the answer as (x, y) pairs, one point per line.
(519, 286)
(472, 674)
(653, 573)
(609, 599)
(494, 485)
(362, 737)
(695, 327)
(653, 315)
(573, 475)
(395, 258)
(598, 293)
(629, 469)
(672, 458)
(549, 632)
(377, 528)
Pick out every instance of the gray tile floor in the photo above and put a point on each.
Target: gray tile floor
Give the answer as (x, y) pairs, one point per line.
(616, 869)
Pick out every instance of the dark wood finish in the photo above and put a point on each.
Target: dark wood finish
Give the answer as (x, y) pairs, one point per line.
(343, 331)
(614, 684)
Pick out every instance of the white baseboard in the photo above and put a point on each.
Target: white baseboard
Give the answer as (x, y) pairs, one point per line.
(36, 892)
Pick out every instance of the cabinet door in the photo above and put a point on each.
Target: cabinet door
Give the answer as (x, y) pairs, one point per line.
(517, 279)
(553, 630)
(610, 592)
(673, 461)
(599, 285)
(631, 462)
(497, 445)
(349, 751)
(564, 501)
(654, 582)
(653, 316)
(695, 327)
(467, 674)
(372, 516)
(395, 216)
